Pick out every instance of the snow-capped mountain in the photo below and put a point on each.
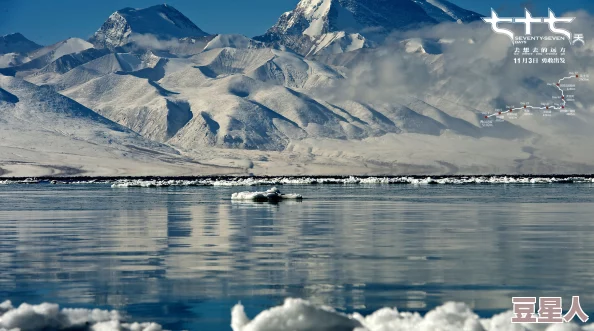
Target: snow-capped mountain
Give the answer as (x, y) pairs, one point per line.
(43, 56)
(349, 24)
(43, 132)
(14, 48)
(92, 68)
(11, 60)
(232, 41)
(161, 23)
(16, 43)
(321, 92)
(70, 61)
(174, 97)
(317, 17)
(324, 44)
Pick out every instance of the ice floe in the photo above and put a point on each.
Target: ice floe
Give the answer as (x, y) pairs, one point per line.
(293, 315)
(272, 181)
(302, 315)
(20, 181)
(353, 180)
(158, 183)
(272, 195)
(47, 316)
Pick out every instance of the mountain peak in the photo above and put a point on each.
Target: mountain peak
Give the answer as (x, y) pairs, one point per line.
(15, 35)
(317, 17)
(163, 22)
(16, 43)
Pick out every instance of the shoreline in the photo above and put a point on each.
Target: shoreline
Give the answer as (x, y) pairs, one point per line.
(229, 177)
(165, 181)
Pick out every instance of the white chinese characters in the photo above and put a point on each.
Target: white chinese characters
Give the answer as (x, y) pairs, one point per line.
(550, 310)
(528, 20)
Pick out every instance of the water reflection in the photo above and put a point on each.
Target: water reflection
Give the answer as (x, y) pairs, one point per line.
(182, 257)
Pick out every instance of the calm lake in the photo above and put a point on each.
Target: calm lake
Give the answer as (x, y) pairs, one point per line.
(182, 257)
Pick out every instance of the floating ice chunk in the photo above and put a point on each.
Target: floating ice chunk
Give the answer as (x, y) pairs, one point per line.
(294, 315)
(300, 315)
(271, 195)
(451, 316)
(47, 316)
(22, 181)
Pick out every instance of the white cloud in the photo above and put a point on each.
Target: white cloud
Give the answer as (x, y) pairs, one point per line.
(467, 61)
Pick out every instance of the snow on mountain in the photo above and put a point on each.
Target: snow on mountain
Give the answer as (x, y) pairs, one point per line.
(236, 94)
(232, 41)
(57, 50)
(317, 17)
(106, 64)
(158, 113)
(12, 59)
(70, 61)
(45, 133)
(356, 21)
(16, 43)
(337, 42)
(268, 65)
(240, 112)
(182, 47)
(14, 48)
(55, 112)
(163, 22)
(46, 55)
(230, 98)
(324, 44)
(313, 91)
(134, 102)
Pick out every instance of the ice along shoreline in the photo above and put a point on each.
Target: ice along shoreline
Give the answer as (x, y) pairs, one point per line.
(124, 182)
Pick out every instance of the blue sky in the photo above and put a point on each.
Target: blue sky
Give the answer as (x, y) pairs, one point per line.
(46, 21)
